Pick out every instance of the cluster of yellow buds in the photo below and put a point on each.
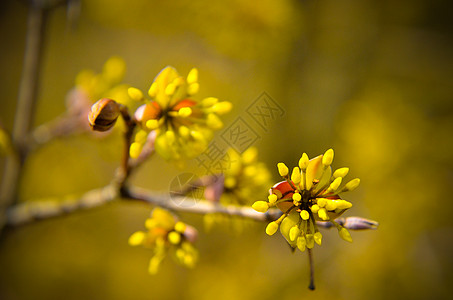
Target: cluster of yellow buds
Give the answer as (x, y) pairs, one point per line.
(310, 193)
(106, 83)
(245, 177)
(165, 233)
(183, 125)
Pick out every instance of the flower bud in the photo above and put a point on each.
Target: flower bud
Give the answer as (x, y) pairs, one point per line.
(303, 162)
(341, 172)
(301, 243)
(294, 233)
(357, 223)
(318, 238)
(260, 206)
(174, 237)
(327, 158)
(304, 215)
(345, 235)
(282, 169)
(351, 185)
(295, 176)
(271, 228)
(104, 114)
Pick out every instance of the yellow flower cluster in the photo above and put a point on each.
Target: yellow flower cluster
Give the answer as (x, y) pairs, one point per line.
(165, 233)
(245, 177)
(183, 125)
(106, 84)
(310, 193)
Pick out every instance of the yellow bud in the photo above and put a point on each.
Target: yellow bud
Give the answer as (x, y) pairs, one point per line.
(210, 101)
(152, 124)
(335, 184)
(271, 228)
(192, 77)
(249, 156)
(310, 241)
(135, 150)
(189, 260)
(297, 197)
(294, 233)
(136, 238)
(261, 206)
(114, 69)
(318, 238)
(322, 202)
(170, 135)
(193, 88)
(184, 131)
(331, 205)
(327, 158)
(152, 90)
(272, 198)
(230, 182)
(351, 185)
(304, 215)
(170, 89)
(303, 161)
(301, 243)
(341, 172)
(282, 169)
(295, 176)
(314, 208)
(345, 235)
(222, 107)
(184, 112)
(150, 223)
(180, 227)
(135, 94)
(213, 121)
(322, 213)
(154, 265)
(174, 237)
(140, 136)
(343, 204)
(197, 135)
(180, 253)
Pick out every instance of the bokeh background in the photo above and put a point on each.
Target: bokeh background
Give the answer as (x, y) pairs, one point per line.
(372, 79)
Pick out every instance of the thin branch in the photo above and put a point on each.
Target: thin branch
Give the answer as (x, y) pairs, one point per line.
(39, 210)
(25, 106)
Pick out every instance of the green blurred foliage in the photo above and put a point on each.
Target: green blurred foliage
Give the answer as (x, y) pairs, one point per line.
(372, 79)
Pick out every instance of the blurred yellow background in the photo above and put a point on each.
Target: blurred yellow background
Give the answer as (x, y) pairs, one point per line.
(371, 79)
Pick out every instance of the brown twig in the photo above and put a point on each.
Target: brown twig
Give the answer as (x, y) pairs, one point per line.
(25, 106)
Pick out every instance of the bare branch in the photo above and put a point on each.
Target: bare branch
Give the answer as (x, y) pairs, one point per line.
(39, 210)
(25, 107)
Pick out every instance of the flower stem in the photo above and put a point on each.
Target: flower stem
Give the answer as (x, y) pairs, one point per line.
(124, 169)
(311, 286)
